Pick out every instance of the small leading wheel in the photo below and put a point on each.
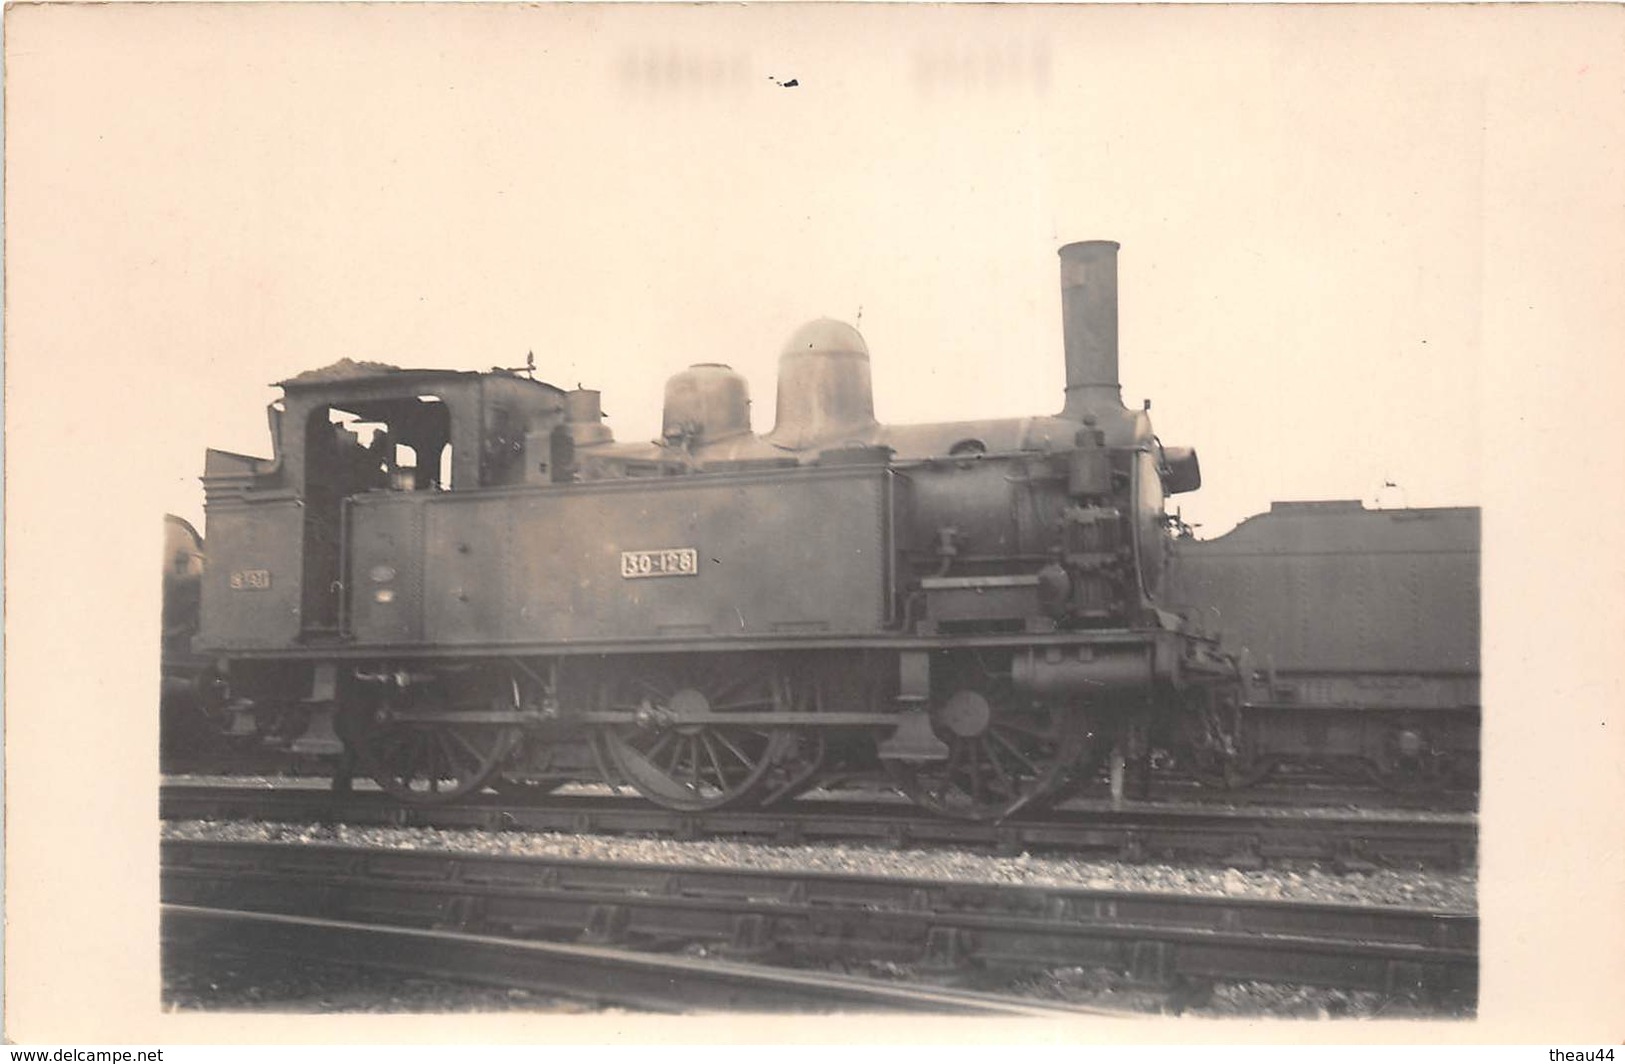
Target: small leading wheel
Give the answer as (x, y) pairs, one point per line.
(1001, 758)
(428, 763)
(679, 753)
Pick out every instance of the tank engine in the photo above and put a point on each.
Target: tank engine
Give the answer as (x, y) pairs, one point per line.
(479, 586)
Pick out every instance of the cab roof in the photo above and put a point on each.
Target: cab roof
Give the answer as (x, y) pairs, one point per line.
(348, 371)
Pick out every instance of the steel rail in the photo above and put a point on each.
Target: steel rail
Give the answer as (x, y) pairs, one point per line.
(1289, 792)
(1158, 939)
(1301, 793)
(604, 975)
(1240, 837)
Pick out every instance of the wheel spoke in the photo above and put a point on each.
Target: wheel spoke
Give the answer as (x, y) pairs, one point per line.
(993, 757)
(456, 739)
(460, 739)
(975, 767)
(716, 763)
(676, 755)
(446, 753)
(660, 744)
(1044, 734)
(722, 737)
(693, 764)
(1023, 758)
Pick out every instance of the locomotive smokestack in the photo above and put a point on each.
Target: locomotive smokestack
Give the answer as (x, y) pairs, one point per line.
(1089, 324)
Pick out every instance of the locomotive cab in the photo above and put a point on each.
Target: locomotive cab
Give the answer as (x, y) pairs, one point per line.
(283, 531)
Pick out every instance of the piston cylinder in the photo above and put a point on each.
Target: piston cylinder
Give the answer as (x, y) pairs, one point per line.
(1081, 672)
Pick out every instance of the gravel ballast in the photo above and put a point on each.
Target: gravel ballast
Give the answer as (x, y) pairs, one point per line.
(1456, 891)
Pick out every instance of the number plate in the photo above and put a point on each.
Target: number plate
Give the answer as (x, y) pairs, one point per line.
(250, 579)
(681, 561)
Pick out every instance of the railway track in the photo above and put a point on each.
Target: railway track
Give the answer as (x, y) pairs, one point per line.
(649, 936)
(601, 975)
(1302, 793)
(1296, 790)
(1240, 837)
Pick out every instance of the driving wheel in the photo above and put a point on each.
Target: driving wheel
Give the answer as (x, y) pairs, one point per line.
(680, 751)
(1002, 756)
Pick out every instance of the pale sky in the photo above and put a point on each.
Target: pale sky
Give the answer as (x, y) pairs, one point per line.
(1360, 244)
(1301, 205)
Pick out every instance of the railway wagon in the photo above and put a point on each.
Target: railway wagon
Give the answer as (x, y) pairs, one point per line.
(476, 584)
(1362, 628)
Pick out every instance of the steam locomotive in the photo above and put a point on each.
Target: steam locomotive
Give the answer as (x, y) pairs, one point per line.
(464, 579)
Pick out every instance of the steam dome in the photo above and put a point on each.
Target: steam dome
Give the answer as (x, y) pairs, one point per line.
(825, 394)
(707, 401)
